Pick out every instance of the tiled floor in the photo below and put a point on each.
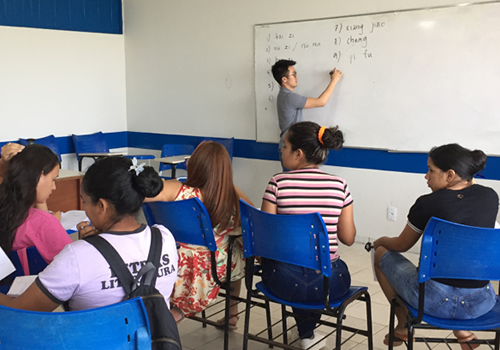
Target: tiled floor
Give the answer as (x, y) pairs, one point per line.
(194, 336)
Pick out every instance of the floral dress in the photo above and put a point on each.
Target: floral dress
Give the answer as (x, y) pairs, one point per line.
(195, 289)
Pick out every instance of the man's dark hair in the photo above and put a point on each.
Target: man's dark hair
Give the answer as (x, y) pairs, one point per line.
(280, 69)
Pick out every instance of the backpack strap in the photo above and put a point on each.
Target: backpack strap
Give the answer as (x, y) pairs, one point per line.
(155, 251)
(114, 260)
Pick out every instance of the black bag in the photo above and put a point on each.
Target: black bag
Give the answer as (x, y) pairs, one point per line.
(164, 332)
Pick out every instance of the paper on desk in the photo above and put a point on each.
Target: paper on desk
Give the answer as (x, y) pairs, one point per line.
(20, 284)
(6, 266)
(71, 218)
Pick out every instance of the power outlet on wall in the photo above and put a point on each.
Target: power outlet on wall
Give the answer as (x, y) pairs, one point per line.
(392, 213)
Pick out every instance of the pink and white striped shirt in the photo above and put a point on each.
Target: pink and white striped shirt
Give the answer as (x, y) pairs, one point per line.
(306, 191)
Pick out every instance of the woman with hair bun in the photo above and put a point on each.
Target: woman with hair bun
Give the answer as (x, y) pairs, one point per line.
(113, 190)
(456, 198)
(306, 189)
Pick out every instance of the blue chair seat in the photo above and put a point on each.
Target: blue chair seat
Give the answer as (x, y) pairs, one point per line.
(353, 292)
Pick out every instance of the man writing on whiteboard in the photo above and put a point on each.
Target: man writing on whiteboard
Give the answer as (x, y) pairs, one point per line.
(290, 104)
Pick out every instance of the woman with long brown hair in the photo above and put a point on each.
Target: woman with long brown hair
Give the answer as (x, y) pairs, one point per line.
(210, 178)
(28, 181)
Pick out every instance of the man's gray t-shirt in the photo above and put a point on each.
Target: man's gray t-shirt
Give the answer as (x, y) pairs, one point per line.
(290, 106)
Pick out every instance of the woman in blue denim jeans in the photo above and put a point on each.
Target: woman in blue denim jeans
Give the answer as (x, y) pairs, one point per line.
(306, 189)
(456, 198)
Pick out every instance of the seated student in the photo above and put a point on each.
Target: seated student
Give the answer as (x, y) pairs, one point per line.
(209, 178)
(112, 193)
(29, 180)
(9, 150)
(307, 189)
(455, 198)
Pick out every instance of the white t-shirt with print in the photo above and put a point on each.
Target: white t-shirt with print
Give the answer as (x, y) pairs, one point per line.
(80, 274)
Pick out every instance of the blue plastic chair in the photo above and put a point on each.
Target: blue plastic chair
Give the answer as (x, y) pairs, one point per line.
(96, 143)
(48, 141)
(189, 222)
(170, 150)
(119, 326)
(451, 250)
(301, 240)
(228, 143)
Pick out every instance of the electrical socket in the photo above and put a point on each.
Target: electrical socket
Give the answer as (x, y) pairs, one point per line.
(392, 213)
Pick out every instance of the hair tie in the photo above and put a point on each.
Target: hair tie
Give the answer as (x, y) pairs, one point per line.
(320, 134)
(138, 168)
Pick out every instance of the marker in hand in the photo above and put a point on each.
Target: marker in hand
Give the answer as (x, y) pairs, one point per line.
(333, 71)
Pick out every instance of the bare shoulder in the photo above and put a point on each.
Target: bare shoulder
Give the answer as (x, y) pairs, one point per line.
(168, 193)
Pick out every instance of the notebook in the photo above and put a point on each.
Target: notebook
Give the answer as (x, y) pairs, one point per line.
(20, 284)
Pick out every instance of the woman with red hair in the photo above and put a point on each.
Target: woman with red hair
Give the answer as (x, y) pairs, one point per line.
(210, 178)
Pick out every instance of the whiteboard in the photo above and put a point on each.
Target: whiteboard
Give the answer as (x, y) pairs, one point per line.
(412, 80)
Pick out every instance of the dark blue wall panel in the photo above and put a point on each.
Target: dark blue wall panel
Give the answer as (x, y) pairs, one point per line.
(346, 157)
(99, 16)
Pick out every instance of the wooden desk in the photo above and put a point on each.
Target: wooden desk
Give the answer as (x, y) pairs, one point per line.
(173, 161)
(66, 196)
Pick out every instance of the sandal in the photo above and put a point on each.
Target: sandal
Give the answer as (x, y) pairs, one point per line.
(464, 342)
(178, 311)
(232, 325)
(399, 338)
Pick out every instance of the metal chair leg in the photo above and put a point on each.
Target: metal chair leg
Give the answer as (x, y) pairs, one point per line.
(228, 294)
(340, 318)
(409, 344)
(284, 324)
(268, 318)
(204, 317)
(391, 324)
(247, 320)
(369, 325)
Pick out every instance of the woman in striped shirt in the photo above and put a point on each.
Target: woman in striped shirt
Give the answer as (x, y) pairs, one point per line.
(307, 189)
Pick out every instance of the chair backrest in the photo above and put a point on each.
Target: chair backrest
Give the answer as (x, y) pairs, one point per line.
(119, 326)
(188, 220)
(296, 239)
(36, 264)
(47, 141)
(451, 250)
(170, 150)
(92, 143)
(228, 143)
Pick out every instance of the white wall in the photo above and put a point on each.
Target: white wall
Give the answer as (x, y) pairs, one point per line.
(60, 82)
(190, 71)
(190, 64)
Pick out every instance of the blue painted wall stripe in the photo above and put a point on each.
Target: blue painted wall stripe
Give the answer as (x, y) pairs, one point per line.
(347, 157)
(98, 16)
